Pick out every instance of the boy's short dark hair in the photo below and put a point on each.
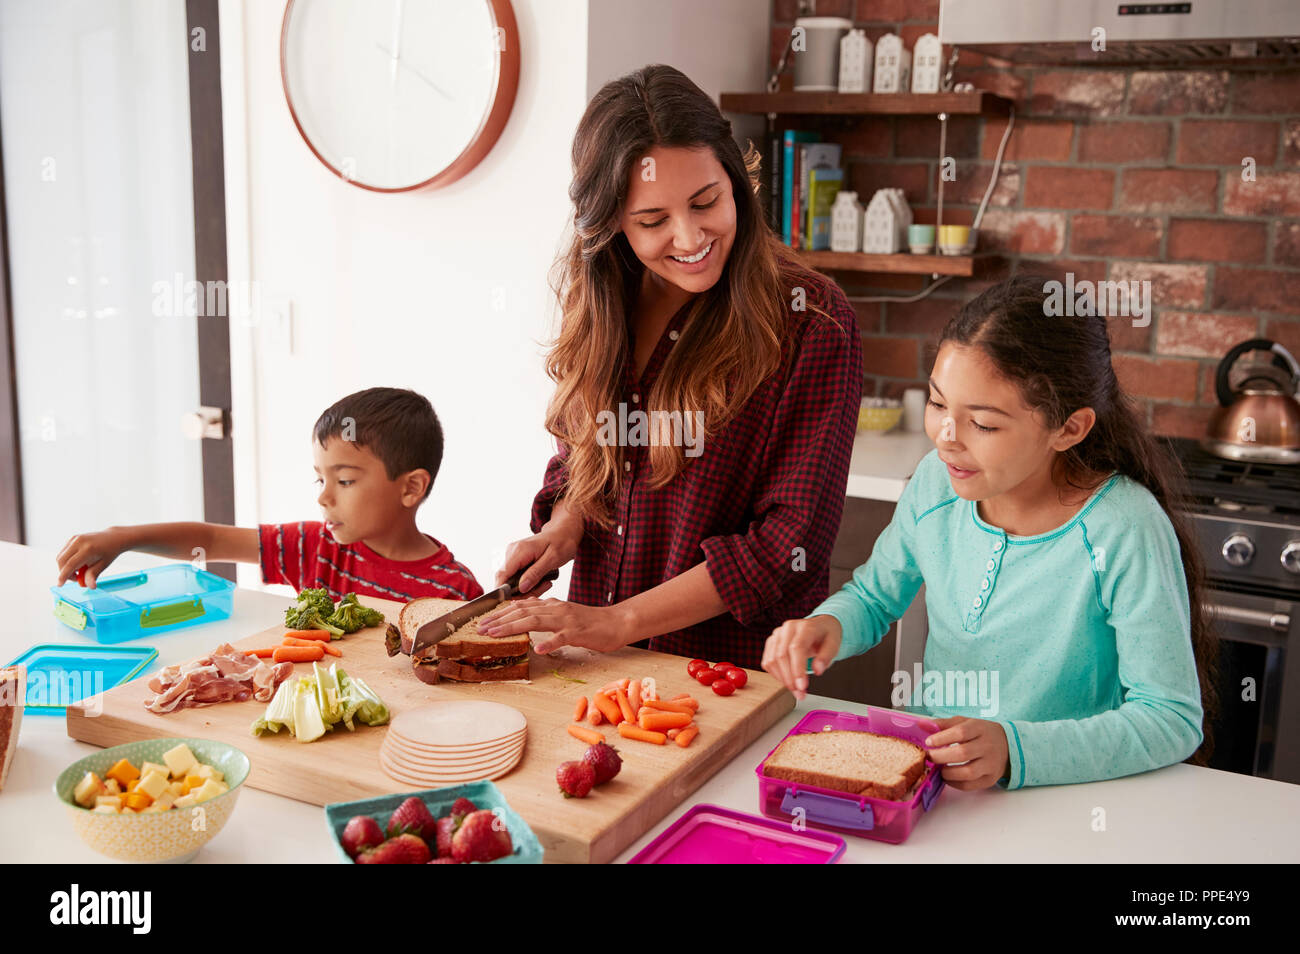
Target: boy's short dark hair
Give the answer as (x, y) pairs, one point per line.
(395, 424)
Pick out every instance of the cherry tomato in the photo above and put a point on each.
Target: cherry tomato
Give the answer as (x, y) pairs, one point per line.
(694, 666)
(723, 687)
(81, 575)
(724, 666)
(707, 677)
(737, 677)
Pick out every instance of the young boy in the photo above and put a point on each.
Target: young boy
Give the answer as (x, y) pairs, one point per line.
(376, 455)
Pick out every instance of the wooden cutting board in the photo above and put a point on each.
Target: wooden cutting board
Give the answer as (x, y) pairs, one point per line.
(344, 765)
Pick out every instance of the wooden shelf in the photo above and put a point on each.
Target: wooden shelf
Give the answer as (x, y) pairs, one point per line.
(976, 103)
(902, 263)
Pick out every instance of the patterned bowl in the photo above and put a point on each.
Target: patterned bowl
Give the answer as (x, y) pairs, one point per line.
(173, 835)
(878, 418)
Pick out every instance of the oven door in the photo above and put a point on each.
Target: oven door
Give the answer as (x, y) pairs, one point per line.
(1258, 731)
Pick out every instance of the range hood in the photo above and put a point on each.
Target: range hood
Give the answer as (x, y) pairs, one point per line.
(1247, 33)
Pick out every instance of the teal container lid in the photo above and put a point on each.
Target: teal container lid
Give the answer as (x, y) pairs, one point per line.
(58, 676)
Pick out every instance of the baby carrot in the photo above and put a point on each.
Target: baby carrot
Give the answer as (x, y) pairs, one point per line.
(608, 708)
(590, 736)
(295, 641)
(620, 696)
(684, 737)
(298, 654)
(593, 715)
(318, 635)
(673, 733)
(629, 731)
(623, 683)
(658, 721)
(634, 694)
(669, 707)
(260, 653)
(580, 709)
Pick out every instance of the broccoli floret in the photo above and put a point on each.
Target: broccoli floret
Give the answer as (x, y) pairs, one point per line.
(351, 616)
(312, 611)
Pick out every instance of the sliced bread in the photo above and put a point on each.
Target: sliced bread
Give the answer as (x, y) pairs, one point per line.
(464, 643)
(861, 763)
(13, 687)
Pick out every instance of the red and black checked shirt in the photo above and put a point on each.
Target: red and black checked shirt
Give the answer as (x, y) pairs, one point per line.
(306, 556)
(771, 482)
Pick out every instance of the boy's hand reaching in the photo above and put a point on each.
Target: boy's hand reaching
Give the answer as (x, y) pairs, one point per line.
(94, 551)
(979, 744)
(786, 653)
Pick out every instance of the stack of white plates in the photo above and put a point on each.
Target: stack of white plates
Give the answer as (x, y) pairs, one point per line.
(446, 743)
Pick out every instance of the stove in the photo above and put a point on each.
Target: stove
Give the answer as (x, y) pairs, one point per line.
(1247, 520)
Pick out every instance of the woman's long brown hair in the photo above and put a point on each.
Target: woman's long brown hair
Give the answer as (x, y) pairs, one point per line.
(735, 331)
(1060, 366)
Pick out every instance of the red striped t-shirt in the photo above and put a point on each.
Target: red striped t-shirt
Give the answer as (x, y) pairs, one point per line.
(305, 556)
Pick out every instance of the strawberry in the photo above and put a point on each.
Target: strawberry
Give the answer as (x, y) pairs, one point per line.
(446, 828)
(604, 759)
(405, 849)
(575, 779)
(412, 816)
(481, 837)
(443, 861)
(361, 832)
(462, 807)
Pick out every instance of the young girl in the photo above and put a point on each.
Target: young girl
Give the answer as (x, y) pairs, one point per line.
(1055, 569)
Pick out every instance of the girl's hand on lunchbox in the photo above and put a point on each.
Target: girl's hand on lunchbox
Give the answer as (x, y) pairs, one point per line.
(981, 747)
(94, 551)
(786, 653)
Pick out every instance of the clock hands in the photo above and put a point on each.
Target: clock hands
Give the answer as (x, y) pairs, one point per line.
(398, 61)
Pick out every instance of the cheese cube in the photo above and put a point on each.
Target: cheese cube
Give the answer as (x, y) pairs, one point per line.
(111, 787)
(209, 789)
(185, 801)
(107, 809)
(207, 771)
(153, 784)
(87, 790)
(137, 801)
(147, 767)
(164, 801)
(180, 760)
(115, 801)
(176, 788)
(123, 771)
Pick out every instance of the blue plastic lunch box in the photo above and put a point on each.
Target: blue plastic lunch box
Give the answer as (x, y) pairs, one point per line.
(153, 601)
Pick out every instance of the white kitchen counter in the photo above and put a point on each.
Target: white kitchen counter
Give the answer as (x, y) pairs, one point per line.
(883, 463)
(1181, 813)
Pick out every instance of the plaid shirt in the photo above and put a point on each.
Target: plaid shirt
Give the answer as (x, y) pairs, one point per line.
(306, 556)
(761, 504)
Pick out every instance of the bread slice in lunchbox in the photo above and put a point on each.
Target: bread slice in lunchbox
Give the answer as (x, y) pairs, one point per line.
(13, 687)
(466, 655)
(860, 763)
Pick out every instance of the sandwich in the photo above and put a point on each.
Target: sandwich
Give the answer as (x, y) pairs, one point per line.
(859, 763)
(13, 685)
(466, 655)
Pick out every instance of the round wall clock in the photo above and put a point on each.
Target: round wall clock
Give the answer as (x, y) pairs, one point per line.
(395, 95)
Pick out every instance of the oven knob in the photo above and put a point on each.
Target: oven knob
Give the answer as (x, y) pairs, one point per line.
(1238, 549)
(1291, 557)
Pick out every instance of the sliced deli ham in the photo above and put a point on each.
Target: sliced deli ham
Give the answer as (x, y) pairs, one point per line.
(224, 675)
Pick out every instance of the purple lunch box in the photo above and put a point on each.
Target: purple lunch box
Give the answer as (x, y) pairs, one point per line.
(713, 835)
(849, 814)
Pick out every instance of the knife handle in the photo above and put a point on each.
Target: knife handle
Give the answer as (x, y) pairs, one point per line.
(513, 582)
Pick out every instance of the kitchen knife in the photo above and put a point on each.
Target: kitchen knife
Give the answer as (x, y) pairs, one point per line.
(436, 630)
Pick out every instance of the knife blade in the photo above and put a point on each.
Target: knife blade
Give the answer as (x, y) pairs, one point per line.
(438, 629)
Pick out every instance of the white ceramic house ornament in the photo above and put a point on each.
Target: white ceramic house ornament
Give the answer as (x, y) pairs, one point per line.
(903, 213)
(927, 58)
(846, 223)
(880, 225)
(893, 65)
(855, 62)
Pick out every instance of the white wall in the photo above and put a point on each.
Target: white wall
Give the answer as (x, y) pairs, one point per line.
(397, 289)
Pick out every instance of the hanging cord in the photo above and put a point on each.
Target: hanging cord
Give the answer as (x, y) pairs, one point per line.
(979, 214)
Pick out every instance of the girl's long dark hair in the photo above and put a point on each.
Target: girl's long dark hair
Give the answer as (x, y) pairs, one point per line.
(1060, 366)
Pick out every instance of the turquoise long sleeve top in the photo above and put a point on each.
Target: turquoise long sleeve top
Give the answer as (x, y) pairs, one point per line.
(1076, 641)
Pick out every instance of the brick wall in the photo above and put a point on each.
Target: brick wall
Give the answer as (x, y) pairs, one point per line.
(1120, 174)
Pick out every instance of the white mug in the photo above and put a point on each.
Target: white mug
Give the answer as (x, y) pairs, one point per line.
(914, 410)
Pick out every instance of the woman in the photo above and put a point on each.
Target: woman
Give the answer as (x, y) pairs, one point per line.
(708, 525)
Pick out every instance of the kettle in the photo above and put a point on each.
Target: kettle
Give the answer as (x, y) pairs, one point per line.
(1258, 418)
